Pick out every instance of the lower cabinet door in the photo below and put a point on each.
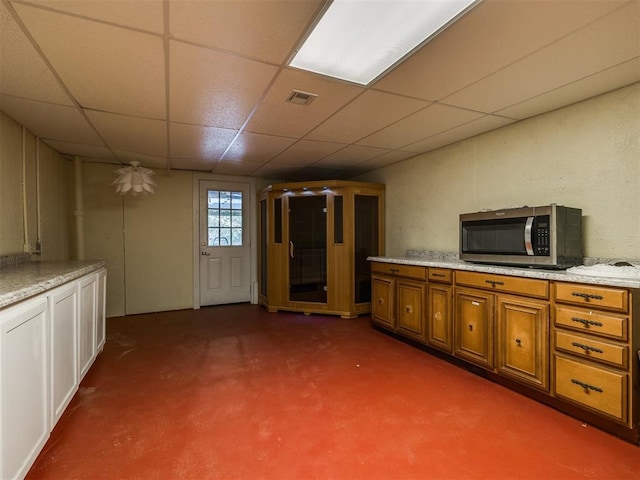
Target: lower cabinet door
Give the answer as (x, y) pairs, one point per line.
(439, 317)
(474, 327)
(24, 422)
(597, 388)
(410, 304)
(87, 323)
(63, 334)
(523, 341)
(382, 301)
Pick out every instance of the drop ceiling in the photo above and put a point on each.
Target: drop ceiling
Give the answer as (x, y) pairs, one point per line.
(202, 85)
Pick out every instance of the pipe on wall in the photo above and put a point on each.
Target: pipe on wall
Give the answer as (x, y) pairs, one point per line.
(79, 211)
(26, 247)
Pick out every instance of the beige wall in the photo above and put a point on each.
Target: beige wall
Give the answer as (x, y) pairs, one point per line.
(55, 183)
(146, 241)
(586, 155)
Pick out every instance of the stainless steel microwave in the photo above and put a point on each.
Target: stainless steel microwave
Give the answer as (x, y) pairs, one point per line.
(548, 236)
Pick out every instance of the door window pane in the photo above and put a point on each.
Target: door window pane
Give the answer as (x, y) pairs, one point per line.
(224, 218)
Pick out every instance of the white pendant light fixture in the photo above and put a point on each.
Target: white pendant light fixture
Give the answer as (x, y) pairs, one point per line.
(360, 40)
(134, 179)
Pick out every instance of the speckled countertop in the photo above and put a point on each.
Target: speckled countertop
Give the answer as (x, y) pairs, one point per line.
(25, 280)
(507, 270)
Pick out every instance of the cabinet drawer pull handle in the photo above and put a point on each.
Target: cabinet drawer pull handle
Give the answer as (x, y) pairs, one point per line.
(587, 296)
(587, 348)
(394, 270)
(442, 275)
(493, 283)
(587, 323)
(586, 386)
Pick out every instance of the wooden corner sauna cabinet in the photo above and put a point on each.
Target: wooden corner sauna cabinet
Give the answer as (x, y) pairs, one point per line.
(315, 238)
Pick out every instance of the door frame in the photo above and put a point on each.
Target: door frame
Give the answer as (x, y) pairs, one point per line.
(252, 233)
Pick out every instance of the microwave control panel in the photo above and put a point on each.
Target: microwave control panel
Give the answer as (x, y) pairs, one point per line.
(542, 245)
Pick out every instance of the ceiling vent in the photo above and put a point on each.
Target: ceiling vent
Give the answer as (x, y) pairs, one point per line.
(301, 98)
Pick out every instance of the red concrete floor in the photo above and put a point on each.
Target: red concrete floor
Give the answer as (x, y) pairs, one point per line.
(233, 392)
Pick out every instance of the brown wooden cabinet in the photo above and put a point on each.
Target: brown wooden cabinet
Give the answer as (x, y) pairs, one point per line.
(439, 309)
(503, 323)
(573, 346)
(593, 357)
(398, 299)
(523, 340)
(473, 324)
(315, 238)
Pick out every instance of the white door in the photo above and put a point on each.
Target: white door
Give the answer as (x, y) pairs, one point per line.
(225, 254)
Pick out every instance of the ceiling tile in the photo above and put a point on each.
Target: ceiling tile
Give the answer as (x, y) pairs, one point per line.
(230, 167)
(265, 31)
(425, 123)
(276, 116)
(23, 72)
(214, 89)
(132, 134)
(82, 150)
(149, 161)
(305, 152)
(612, 40)
(69, 124)
(471, 129)
(387, 159)
(251, 147)
(495, 33)
(607, 80)
(271, 170)
(367, 114)
(195, 142)
(122, 79)
(197, 164)
(349, 156)
(141, 14)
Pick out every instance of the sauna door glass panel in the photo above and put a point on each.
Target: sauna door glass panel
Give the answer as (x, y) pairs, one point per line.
(308, 249)
(366, 243)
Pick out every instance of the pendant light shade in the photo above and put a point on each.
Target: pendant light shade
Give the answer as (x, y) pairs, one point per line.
(134, 179)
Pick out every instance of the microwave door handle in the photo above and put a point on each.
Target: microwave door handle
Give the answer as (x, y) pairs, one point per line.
(527, 235)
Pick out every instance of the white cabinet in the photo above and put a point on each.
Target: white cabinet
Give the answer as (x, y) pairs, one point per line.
(47, 344)
(24, 382)
(101, 310)
(87, 323)
(63, 335)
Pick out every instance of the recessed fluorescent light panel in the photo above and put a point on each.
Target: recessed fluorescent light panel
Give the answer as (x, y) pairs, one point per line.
(359, 40)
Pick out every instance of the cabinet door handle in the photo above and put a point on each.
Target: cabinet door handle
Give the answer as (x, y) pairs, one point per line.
(586, 348)
(586, 386)
(381, 301)
(409, 309)
(291, 249)
(518, 342)
(587, 323)
(587, 296)
(470, 327)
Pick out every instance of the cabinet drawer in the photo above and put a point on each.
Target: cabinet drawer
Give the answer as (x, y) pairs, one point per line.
(440, 275)
(592, 349)
(503, 283)
(597, 323)
(398, 270)
(592, 296)
(597, 388)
